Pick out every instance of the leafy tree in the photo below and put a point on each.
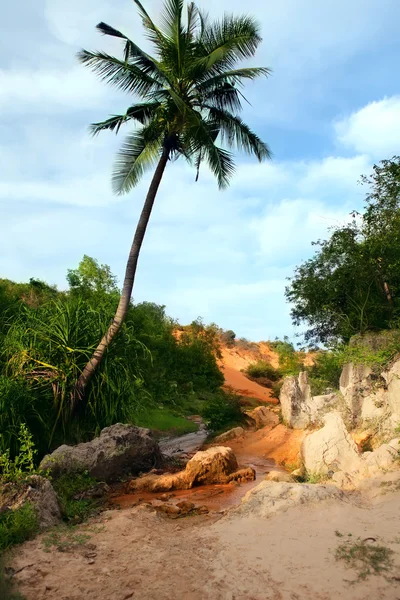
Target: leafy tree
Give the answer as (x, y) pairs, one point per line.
(187, 97)
(352, 283)
(91, 278)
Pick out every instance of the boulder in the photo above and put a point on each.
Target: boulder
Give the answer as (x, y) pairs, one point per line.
(330, 449)
(383, 458)
(299, 408)
(229, 435)
(270, 497)
(36, 491)
(119, 450)
(215, 465)
(263, 416)
(211, 466)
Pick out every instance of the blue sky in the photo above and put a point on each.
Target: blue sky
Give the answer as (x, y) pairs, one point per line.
(330, 110)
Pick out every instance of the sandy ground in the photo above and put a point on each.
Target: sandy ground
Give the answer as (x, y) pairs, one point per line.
(141, 554)
(278, 443)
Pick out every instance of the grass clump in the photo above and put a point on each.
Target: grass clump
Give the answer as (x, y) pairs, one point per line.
(64, 539)
(365, 558)
(164, 420)
(17, 525)
(76, 506)
(314, 478)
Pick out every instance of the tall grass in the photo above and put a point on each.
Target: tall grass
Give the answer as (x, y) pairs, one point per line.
(44, 350)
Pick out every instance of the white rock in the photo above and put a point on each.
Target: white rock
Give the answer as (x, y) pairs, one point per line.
(331, 448)
(270, 497)
(299, 408)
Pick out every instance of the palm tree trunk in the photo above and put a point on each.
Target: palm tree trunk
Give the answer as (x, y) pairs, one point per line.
(130, 273)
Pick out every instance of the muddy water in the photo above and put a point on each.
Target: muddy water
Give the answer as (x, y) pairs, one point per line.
(251, 450)
(214, 497)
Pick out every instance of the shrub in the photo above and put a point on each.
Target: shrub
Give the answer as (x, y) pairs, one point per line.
(290, 362)
(228, 338)
(325, 372)
(21, 405)
(263, 369)
(222, 411)
(23, 463)
(70, 490)
(18, 525)
(276, 389)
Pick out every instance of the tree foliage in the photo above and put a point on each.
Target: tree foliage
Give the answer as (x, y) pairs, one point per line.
(187, 96)
(352, 283)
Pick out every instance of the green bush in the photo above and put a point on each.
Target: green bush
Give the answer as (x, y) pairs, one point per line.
(21, 404)
(325, 372)
(290, 362)
(70, 488)
(18, 525)
(14, 470)
(222, 411)
(264, 369)
(276, 389)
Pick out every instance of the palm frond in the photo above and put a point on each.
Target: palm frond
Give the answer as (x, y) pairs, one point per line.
(232, 76)
(121, 75)
(225, 96)
(226, 42)
(236, 133)
(193, 19)
(133, 53)
(153, 33)
(200, 145)
(138, 153)
(140, 112)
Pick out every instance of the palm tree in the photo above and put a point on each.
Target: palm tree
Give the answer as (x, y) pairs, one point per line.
(187, 98)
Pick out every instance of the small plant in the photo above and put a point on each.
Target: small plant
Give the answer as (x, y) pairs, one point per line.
(365, 558)
(314, 478)
(17, 525)
(64, 539)
(76, 506)
(23, 463)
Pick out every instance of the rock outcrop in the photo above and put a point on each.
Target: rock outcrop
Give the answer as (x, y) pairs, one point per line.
(119, 450)
(299, 407)
(330, 449)
(215, 465)
(270, 497)
(229, 435)
(371, 395)
(263, 416)
(36, 491)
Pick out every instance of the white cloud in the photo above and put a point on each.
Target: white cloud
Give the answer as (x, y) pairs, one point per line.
(49, 91)
(374, 129)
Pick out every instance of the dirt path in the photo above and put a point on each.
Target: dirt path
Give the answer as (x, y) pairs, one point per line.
(141, 554)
